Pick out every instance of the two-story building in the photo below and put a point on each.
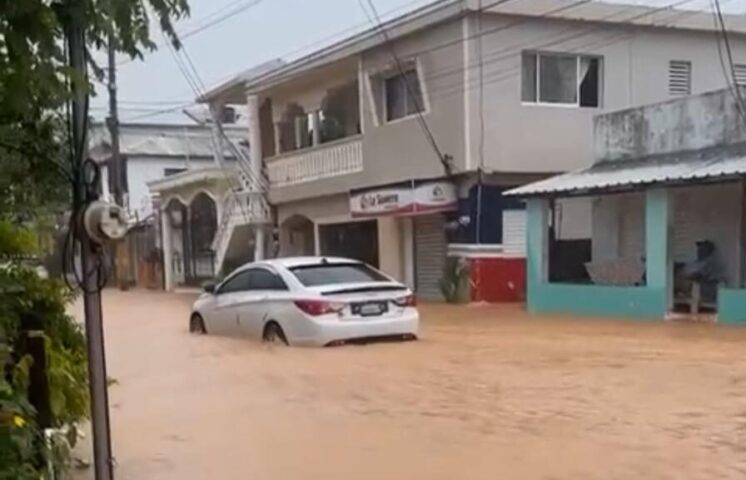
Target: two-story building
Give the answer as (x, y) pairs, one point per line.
(162, 154)
(395, 145)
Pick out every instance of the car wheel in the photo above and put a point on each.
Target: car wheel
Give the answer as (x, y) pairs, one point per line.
(273, 334)
(197, 325)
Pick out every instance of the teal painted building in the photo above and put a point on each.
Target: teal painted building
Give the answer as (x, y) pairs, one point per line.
(667, 177)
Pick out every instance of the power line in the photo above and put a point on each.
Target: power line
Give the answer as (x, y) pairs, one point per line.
(445, 161)
(733, 82)
(156, 113)
(197, 85)
(508, 53)
(223, 16)
(155, 102)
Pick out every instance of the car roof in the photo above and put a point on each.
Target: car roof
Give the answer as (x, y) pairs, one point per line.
(292, 262)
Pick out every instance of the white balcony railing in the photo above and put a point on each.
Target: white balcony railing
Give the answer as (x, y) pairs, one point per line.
(324, 161)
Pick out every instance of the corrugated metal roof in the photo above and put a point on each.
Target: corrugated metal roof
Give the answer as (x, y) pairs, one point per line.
(158, 141)
(627, 174)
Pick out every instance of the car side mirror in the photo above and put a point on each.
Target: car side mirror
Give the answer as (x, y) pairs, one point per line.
(209, 287)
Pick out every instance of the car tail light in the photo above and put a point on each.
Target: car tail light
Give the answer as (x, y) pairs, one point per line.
(408, 301)
(316, 308)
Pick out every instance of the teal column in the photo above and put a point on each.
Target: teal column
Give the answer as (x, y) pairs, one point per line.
(657, 256)
(537, 249)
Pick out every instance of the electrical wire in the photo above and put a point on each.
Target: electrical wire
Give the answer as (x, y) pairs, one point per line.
(445, 161)
(86, 176)
(508, 54)
(223, 16)
(480, 179)
(733, 79)
(195, 82)
(155, 113)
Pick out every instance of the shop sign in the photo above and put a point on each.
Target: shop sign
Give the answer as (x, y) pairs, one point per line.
(408, 199)
(388, 201)
(435, 196)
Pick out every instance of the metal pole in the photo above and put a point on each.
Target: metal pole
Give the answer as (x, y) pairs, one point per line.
(113, 123)
(89, 256)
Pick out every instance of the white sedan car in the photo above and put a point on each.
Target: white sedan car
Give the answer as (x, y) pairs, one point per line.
(316, 301)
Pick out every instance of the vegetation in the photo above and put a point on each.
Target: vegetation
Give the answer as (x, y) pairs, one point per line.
(36, 171)
(455, 283)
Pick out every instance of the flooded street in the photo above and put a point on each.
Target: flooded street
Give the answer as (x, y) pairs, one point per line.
(488, 393)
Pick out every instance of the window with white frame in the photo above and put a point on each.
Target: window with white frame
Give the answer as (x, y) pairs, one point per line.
(402, 95)
(560, 78)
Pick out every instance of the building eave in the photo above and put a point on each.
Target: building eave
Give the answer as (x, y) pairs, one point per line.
(417, 19)
(442, 10)
(187, 178)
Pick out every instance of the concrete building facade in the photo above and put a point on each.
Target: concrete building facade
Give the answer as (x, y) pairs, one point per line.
(402, 144)
(668, 190)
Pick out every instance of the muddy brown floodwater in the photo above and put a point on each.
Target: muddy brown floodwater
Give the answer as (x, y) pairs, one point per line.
(489, 392)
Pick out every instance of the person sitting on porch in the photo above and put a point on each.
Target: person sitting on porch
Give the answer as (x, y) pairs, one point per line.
(698, 279)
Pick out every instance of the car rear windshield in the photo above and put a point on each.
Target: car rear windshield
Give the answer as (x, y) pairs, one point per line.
(335, 273)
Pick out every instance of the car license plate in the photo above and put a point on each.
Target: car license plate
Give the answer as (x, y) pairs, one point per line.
(370, 309)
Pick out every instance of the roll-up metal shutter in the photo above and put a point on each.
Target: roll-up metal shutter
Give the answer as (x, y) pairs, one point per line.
(514, 232)
(430, 252)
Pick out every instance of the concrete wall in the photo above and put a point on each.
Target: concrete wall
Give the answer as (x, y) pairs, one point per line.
(518, 138)
(322, 207)
(335, 209)
(618, 227)
(703, 121)
(575, 218)
(650, 301)
(390, 247)
(542, 138)
(732, 306)
(400, 150)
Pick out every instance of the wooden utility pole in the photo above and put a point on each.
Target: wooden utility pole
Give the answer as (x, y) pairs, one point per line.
(116, 172)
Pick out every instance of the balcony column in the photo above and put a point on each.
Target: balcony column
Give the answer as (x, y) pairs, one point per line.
(278, 140)
(168, 276)
(316, 128)
(255, 157)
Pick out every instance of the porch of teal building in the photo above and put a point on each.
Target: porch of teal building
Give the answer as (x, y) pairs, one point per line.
(638, 236)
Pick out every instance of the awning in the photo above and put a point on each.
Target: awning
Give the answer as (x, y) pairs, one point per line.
(629, 174)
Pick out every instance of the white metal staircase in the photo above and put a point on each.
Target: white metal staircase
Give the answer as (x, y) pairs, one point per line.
(246, 204)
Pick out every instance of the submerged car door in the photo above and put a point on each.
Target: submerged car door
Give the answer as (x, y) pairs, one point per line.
(224, 318)
(264, 287)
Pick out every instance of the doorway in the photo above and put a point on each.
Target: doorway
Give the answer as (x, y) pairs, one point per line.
(358, 240)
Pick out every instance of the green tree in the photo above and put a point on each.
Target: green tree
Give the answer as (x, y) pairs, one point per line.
(36, 170)
(35, 83)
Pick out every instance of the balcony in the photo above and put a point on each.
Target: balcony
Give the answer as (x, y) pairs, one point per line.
(327, 160)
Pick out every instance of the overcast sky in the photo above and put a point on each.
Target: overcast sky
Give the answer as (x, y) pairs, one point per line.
(237, 34)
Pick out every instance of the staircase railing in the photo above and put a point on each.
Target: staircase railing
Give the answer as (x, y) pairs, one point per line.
(246, 203)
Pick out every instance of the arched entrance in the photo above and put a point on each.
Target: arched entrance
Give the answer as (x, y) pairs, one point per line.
(202, 225)
(296, 237)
